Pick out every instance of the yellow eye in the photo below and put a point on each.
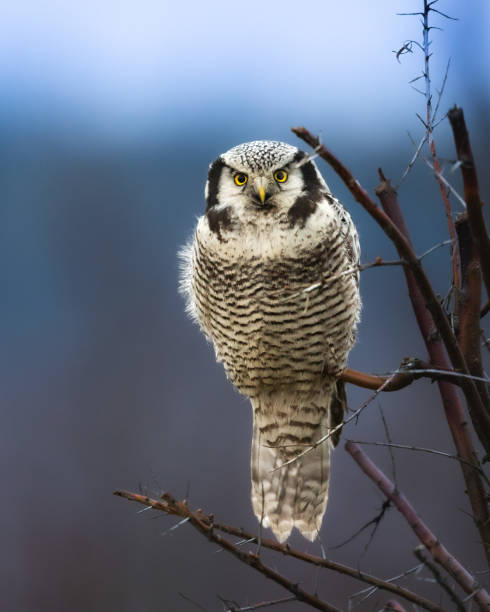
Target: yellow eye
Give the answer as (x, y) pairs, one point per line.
(281, 176)
(240, 179)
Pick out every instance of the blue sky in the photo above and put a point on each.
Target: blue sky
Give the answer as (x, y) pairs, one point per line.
(124, 67)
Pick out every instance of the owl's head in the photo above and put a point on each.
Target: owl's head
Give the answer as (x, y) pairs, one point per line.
(264, 177)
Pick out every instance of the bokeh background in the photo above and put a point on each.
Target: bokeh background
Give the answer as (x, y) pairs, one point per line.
(110, 113)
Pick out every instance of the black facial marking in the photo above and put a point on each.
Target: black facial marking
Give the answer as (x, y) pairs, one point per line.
(213, 182)
(310, 177)
(300, 211)
(306, 204)
(300, 155)
(218, 220)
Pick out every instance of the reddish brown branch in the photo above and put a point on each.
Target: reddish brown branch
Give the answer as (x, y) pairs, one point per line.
(371, 381)
(206, 524)
(425, 301)
(471, 190)
(438, 551)
(433, 322)
(395, 231)
(469, 308)
(417, 369)
(389, 200)
(453, 407)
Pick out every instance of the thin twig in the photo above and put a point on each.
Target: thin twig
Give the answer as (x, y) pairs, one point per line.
(389, 446)
(369, 592)
(374, 521)
(378, 262)
(422, 449)
(434, 248)
(263, 604)
(334, 430)
(440, 177)
(194, 603)
(440, 579)
(441, 91)
(411, 163)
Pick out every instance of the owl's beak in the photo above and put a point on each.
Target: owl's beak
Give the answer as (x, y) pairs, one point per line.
(262, 194)
(260, 185)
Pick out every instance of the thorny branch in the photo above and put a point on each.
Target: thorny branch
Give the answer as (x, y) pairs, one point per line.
(207, 526)
(432, 146)
(438, 551)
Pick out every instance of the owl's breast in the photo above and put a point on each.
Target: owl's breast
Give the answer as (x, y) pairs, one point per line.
(275, 310)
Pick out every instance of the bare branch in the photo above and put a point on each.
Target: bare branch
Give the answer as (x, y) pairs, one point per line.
(430, 317)
(409, 371)
(438, 551)
(469, 305)
(471, 191)
(399, 240)
(206, 525)
(440, 579)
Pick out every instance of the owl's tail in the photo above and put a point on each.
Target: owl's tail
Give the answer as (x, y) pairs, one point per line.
(294, 494)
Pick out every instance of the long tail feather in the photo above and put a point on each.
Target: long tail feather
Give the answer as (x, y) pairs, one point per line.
(292, 495)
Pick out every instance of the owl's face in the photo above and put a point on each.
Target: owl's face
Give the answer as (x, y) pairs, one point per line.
(261, 178)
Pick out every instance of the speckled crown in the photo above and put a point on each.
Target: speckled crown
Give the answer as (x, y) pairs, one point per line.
(259, 155)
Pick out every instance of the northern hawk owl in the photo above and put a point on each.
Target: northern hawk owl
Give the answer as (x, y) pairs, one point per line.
(271, 277)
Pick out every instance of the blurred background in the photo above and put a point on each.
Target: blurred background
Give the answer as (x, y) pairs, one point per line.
(110, 114)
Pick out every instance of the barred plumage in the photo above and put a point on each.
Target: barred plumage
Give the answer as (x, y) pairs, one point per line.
(271, 277)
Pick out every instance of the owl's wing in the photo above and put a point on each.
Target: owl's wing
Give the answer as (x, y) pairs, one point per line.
(350, 236)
